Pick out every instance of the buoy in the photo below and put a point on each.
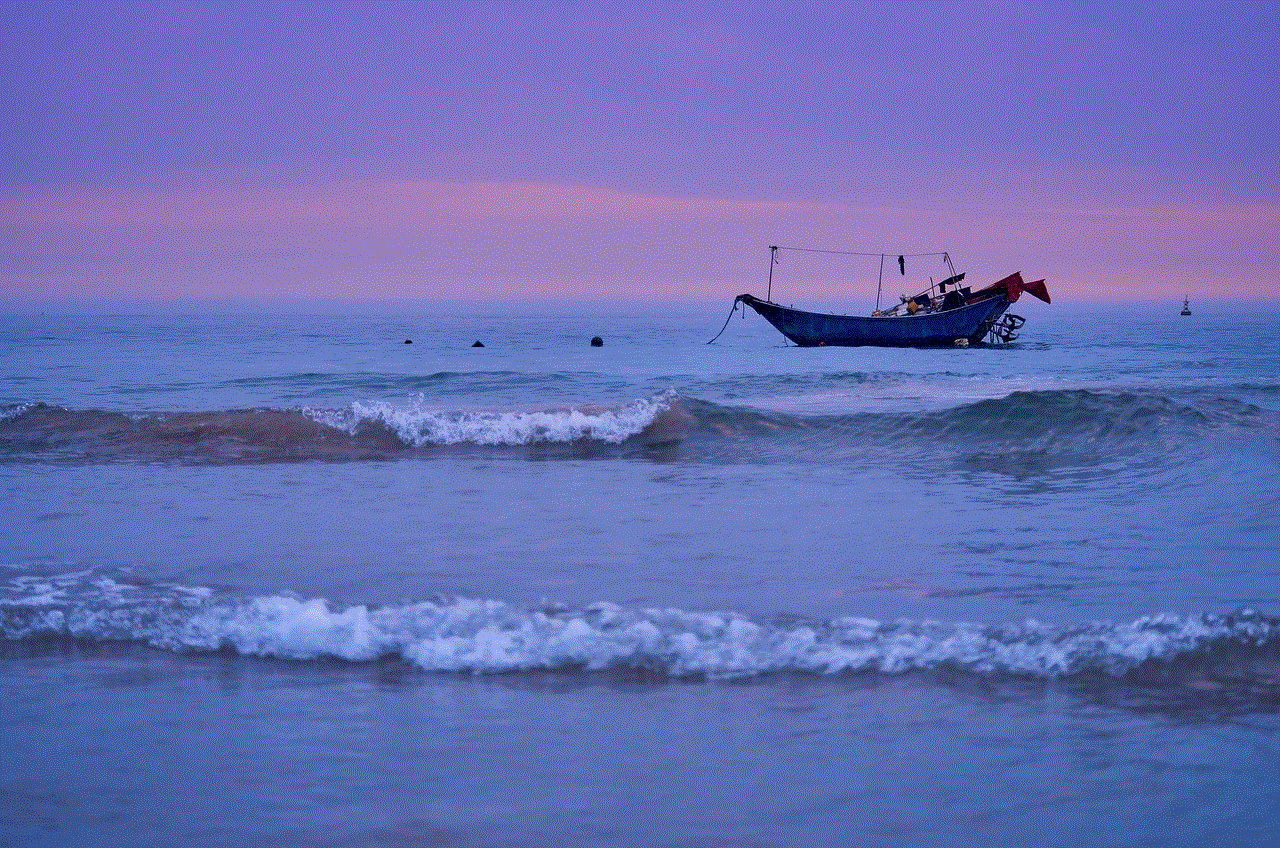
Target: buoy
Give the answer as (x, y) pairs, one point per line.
(596, 341)
(478, 343)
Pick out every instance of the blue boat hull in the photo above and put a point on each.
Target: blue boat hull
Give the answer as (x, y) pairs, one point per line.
(926, 329)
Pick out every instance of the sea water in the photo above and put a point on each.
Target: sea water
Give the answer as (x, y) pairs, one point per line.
(274, 576)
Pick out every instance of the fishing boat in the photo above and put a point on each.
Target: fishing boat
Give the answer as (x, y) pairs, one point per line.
(947, 314)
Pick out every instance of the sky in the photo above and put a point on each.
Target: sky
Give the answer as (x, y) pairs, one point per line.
(628, 151)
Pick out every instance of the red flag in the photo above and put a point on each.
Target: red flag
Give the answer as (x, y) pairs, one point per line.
(1038, 289)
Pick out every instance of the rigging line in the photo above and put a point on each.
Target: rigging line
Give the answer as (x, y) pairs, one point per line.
(854, 253)
(732, 310)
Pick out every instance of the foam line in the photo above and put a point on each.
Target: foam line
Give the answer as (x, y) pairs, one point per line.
(488, 636)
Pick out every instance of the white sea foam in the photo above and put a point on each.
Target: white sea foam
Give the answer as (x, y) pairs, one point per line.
(14, 411)
(418, 426)
(484, 636)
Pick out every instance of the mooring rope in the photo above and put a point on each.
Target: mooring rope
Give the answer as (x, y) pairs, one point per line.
(732, 310)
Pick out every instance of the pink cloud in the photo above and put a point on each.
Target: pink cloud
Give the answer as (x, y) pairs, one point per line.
(490, 240)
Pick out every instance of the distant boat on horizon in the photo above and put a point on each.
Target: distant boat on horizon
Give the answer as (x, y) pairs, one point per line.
(1186, 305)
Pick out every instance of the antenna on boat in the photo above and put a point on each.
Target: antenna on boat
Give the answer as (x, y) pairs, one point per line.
(773, 260)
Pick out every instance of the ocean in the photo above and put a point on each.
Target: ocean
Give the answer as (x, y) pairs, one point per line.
(272, 576)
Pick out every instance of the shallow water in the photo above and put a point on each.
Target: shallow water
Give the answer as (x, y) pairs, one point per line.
(282, 578)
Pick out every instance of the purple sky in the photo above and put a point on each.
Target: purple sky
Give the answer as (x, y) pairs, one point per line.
(505, 150)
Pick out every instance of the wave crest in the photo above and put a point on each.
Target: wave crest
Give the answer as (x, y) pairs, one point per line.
(1047, 428)
(488, 636)
(417, 427)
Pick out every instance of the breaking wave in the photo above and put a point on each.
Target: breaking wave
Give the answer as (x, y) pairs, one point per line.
(365, 430)
(420, 428)
(1065, 425)
(487, 636)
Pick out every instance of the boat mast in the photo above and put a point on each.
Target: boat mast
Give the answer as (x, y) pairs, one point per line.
(773, 260)
(880, 283)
